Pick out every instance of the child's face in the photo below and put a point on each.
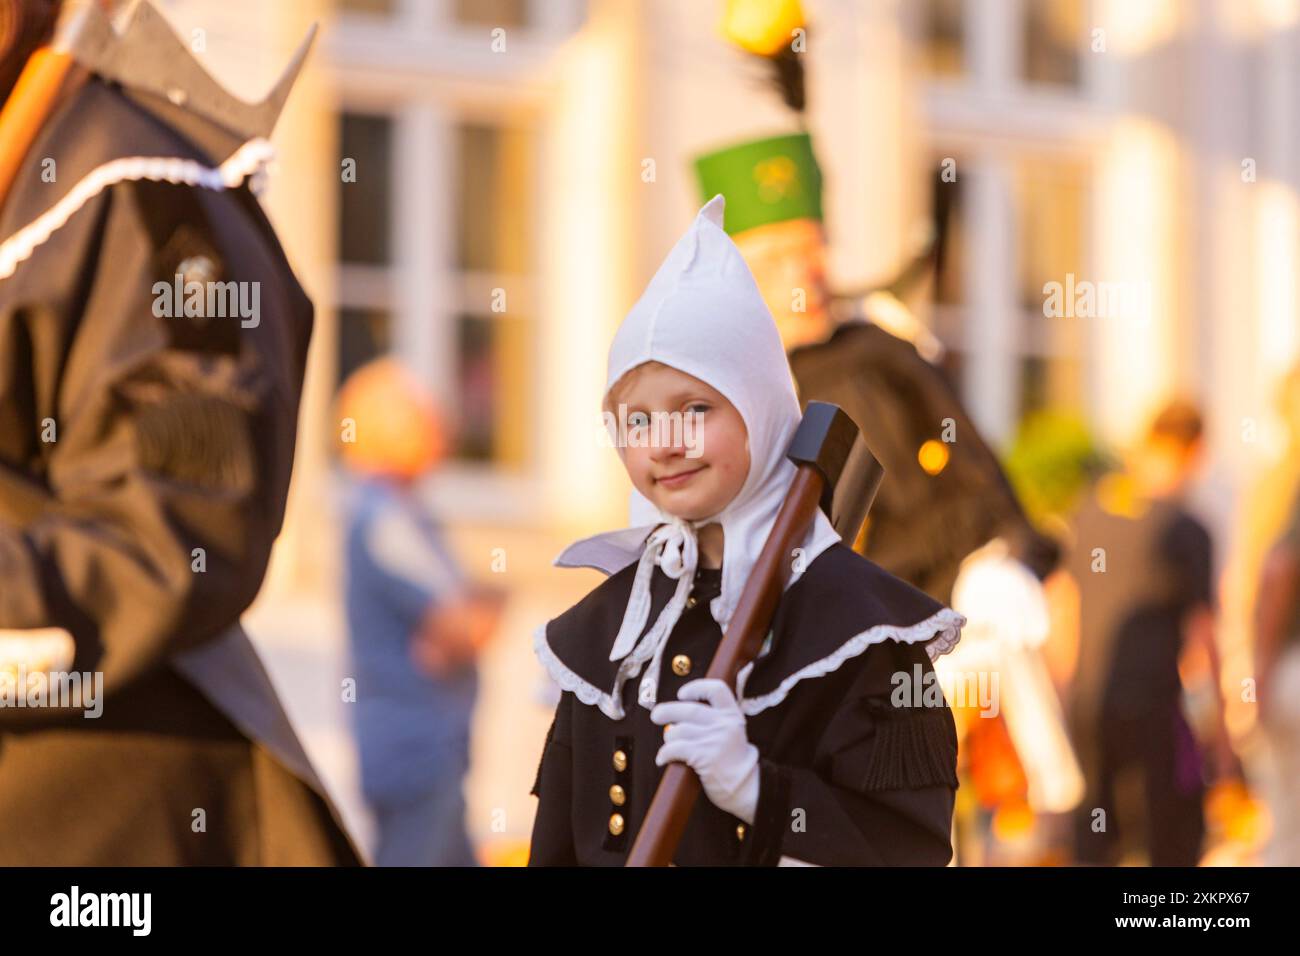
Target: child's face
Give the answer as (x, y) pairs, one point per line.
(692, 471)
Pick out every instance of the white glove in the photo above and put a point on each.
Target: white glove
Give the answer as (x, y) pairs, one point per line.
(710, 739)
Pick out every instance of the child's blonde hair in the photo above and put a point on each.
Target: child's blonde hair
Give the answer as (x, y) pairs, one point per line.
(619, 389)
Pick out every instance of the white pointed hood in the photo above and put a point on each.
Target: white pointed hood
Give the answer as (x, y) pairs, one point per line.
(702, 314)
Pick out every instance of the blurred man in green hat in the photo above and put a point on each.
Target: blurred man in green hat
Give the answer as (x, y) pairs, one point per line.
(943, 498)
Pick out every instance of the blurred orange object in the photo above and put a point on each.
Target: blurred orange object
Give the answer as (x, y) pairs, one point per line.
(505, 853)
(388, 423)
(1013, 821)
(1233, 814)
(994, 767)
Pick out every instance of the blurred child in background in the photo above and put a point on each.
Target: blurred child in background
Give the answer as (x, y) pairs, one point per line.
(416, 624)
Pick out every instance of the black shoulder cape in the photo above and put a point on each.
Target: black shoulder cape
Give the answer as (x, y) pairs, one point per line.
(842, 604)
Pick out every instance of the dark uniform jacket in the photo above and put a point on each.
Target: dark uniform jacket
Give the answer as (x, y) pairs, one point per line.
(846, 777)
(144, 528)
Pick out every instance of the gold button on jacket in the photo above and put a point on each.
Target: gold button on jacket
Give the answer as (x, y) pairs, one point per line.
(681, 665)
(620, 761)
(616, 824)
(617, 795)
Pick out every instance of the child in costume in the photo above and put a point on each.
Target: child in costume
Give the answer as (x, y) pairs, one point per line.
(837, 747)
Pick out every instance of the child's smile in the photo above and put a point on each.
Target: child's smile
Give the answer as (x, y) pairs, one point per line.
(681, 478)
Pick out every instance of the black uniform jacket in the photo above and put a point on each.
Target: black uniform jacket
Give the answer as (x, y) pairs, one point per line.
(846, 777)
(144, 466)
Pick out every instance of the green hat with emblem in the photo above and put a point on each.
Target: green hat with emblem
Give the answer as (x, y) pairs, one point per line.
(764, 181)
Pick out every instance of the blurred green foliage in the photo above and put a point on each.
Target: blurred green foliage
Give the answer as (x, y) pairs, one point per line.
(1051, 463)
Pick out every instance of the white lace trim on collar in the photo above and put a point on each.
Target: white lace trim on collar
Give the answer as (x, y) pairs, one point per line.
(942, 631)
(587, 693)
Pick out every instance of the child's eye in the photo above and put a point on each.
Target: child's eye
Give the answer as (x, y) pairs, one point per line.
(638, 420)
(698, 407)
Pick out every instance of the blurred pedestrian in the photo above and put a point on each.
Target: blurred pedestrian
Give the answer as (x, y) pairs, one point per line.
(416, 624)
(1142, 565)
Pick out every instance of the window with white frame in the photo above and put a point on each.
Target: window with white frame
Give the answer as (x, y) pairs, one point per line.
(1051, 38)
(365, 239)
(445, 273)
(1051, 198)
(941, 32)
(991, 65)
(494, 263)
(486, 309)
(1055, 37)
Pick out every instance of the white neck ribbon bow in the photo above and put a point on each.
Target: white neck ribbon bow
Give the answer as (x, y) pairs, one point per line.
(675, 548)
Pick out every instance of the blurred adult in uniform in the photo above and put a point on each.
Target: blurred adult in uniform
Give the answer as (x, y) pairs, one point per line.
(145, 456)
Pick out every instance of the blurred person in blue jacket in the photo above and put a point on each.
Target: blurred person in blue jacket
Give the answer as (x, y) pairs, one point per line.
(416, 624)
